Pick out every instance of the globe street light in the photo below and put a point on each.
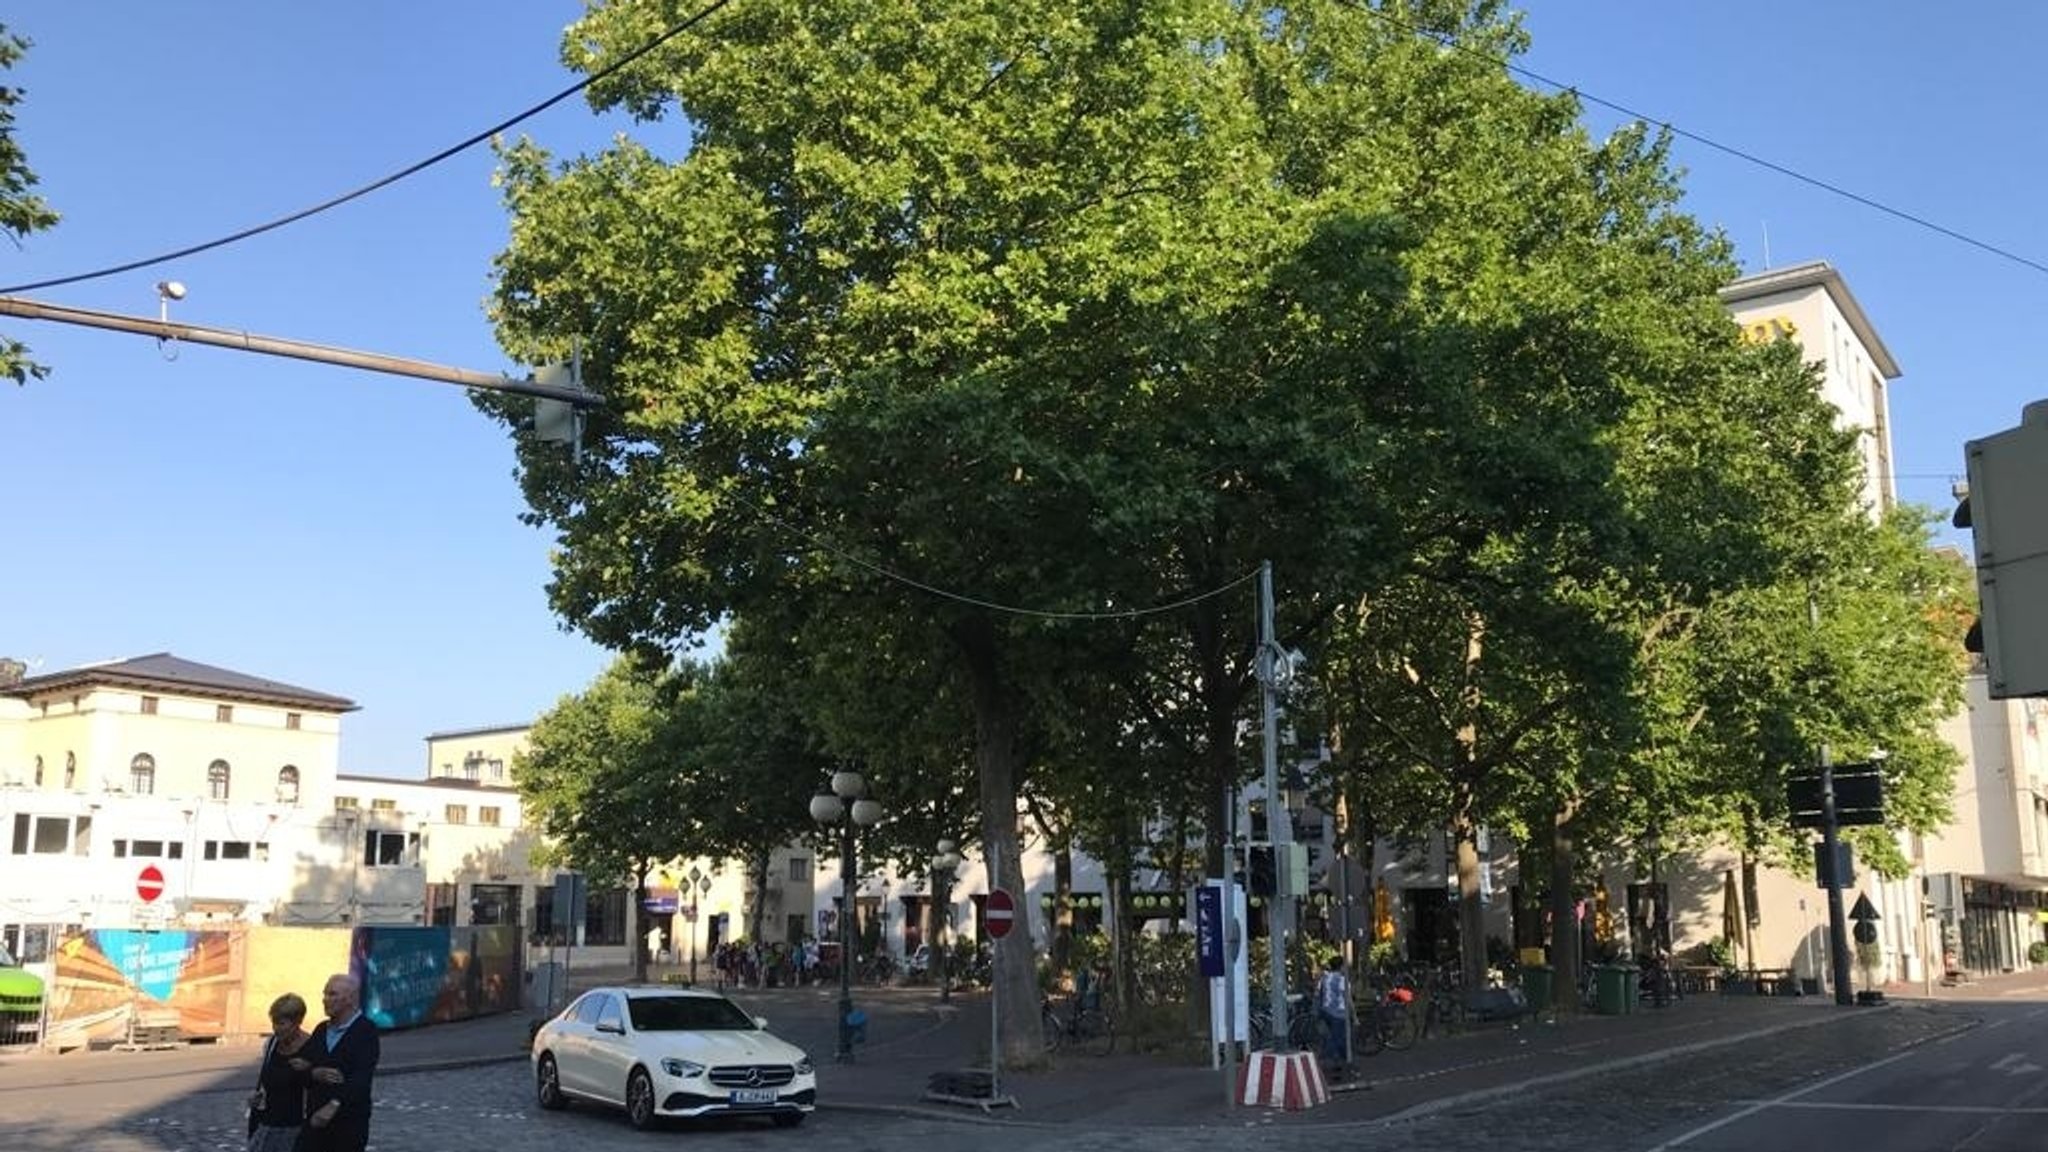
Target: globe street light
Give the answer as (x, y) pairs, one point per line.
(943, 865)
(846, 805)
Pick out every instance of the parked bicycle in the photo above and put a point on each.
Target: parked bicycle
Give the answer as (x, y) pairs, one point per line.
(1085, 1027)
(1301, 1022)
(1386, 1021)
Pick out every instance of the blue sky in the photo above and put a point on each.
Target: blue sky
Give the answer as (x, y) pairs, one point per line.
(359, 534)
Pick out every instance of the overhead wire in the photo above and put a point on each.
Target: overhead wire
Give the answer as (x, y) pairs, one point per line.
(331, 202)
(1451, 43)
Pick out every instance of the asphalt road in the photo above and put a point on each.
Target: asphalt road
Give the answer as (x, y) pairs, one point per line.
(1983, 1090)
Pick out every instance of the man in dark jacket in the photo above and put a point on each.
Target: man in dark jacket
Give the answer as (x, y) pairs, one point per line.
(343, 1052)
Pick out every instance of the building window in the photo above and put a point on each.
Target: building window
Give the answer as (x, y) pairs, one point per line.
(473, 766)
(456, 814)
(383, 805)
(224, 713)
(799, 867)
(70, 770)
(217, 775)
(291, 721)
(149, 705)
(39, 771)
(387, 849)
(150, 849)
(51, 835)
(440, 905)
(227, 849)
(344, 804)
(288, 785)
(604, 919)
(142, 775)
(494, 903)
(497, 770)
(487, 816)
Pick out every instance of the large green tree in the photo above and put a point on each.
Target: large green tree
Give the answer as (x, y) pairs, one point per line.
(598, 779)
(22, 212)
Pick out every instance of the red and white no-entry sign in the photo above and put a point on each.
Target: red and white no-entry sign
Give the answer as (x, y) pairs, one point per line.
(1001, 914)
(149, 883)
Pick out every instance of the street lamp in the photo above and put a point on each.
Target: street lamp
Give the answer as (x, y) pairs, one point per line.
(846, 805)
(943, 865)
(698, 882)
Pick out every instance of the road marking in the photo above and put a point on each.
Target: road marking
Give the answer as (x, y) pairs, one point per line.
(1959, 1109)
(2016, 1064)
(1753, 1109)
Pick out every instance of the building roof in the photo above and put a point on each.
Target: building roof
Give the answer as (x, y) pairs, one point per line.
(488, 730)
(163, 672)
(1812, 274)
(450, 783)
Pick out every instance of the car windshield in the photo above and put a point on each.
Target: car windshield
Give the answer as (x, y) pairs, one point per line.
(687, 1014)
(6, 957)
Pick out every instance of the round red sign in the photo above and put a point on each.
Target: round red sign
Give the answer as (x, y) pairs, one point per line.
(1002, 913)
(149, 884)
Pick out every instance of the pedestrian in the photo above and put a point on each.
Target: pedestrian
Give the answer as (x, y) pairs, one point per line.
(343, 1066)
(654, 945)
(278, 1106)
(1333, 1004)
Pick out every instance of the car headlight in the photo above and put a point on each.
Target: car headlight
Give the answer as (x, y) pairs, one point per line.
(683, 1069)
(803, 1065)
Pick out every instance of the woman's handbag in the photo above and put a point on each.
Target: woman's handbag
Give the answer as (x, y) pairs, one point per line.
(256, 1098)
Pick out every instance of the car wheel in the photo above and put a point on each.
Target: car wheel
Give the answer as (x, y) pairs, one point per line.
(788, 1119)
(547, 1084)
(640, 1099)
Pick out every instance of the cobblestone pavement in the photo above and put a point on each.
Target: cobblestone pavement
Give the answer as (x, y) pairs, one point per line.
(489, 1108)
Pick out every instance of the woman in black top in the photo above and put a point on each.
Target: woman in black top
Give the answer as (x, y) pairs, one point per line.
(279, 1107)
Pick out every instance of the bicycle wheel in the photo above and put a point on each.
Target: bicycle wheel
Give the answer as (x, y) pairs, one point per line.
(1366, 1037)
(1054, 1028)
(1095, 1032)
(1397, 1026)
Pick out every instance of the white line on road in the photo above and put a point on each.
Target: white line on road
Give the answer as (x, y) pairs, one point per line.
(1795, 1094)
(1960, 1109)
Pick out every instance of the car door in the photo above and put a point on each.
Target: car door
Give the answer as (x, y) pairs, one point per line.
(573, 1056)
(611, 1050)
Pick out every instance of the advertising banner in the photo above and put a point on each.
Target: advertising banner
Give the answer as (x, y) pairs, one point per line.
(401, 969)
(106, 978)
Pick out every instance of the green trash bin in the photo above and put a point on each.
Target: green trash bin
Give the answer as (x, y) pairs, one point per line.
(1614, 989)
(1537, 982)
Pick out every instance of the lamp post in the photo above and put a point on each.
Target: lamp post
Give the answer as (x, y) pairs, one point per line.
(846, 805)
(943, 865)
(699, 883)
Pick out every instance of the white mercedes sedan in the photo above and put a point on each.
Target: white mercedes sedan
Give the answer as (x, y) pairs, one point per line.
(657, 1052)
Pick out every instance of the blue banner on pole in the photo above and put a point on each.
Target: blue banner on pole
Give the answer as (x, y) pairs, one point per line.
(1209, 930)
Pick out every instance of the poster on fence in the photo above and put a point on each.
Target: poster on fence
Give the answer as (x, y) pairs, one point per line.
(107, 977)
(401, 970)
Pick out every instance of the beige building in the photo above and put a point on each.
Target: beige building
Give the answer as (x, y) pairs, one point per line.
(217, 780)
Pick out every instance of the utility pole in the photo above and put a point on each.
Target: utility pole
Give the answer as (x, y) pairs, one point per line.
(1276, 816)
(1830, 848)
(560, 394)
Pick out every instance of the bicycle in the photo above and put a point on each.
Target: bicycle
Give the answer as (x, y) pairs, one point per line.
(1089, 1028)
(1386, 1021)
(1301, 1023)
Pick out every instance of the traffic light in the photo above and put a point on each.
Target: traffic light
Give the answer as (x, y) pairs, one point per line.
(1259, 878)
(2006, 510)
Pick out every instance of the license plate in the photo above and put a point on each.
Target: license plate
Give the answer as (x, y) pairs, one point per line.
(753, 1095)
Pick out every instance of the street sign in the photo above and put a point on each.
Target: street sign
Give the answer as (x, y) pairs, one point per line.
(149, 883)
(1864, 909)
(1001, 914)
(1859, 797)
(1209, 930)
(1842, 875)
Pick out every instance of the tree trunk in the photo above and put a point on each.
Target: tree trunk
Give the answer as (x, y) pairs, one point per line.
(1062, 950)
(1118, 869)
(998, 768)
(1471, 911)
(1564, 921)
(637, 938)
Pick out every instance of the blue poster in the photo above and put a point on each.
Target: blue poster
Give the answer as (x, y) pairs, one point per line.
(401, 970)
(150, 960)
(1209, 930)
